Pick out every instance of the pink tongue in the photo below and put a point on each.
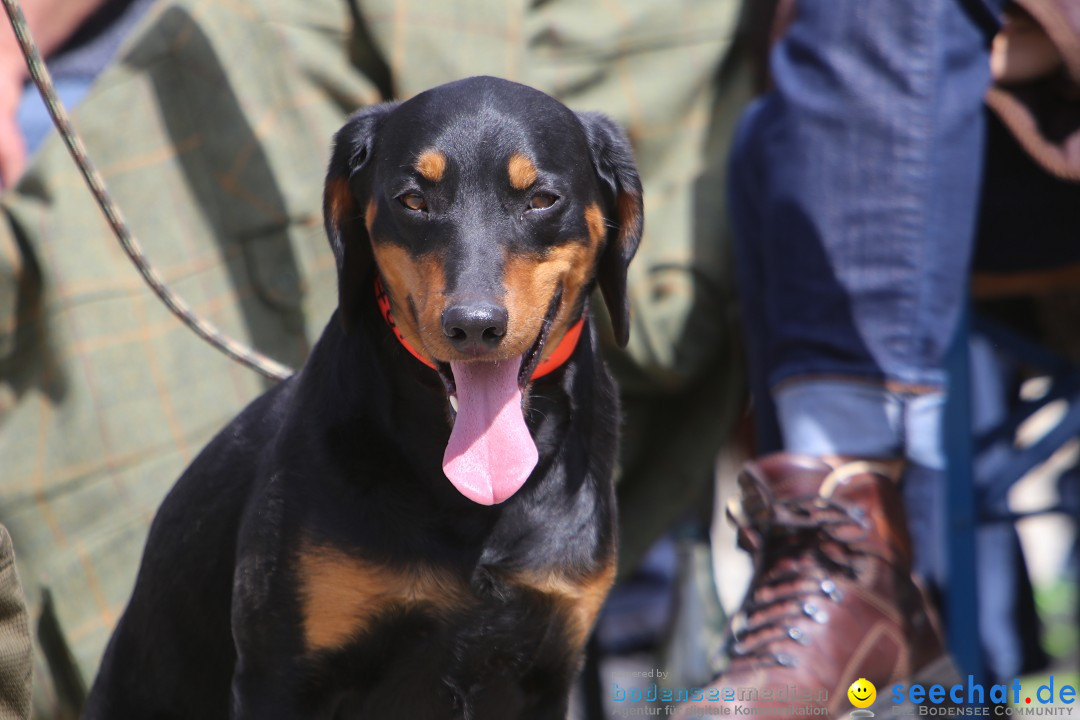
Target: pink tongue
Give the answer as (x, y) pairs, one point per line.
(490, 453)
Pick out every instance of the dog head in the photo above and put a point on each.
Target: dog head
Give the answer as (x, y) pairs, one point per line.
(489, 211)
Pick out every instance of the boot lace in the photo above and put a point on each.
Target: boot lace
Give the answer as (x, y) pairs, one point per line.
(802, 551)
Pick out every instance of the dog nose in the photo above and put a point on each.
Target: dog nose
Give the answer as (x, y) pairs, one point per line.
(474, 327)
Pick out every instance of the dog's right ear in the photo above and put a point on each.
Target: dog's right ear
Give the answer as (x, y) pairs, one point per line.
(613, 162)
(346, 199)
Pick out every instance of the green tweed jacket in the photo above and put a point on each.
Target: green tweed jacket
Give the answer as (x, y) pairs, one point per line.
(212, 129)
(14, 638)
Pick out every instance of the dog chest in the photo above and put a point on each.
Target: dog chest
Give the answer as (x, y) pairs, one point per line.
(343, 597)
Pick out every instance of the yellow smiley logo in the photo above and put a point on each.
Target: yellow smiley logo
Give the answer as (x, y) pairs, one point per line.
(862, 693)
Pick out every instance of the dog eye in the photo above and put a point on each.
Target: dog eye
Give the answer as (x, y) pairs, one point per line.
(414, 201)
(540, 201)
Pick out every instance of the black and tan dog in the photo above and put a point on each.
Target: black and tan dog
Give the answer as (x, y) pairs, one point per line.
(420, 523)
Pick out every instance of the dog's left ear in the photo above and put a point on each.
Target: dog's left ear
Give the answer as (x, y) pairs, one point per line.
(345, 204)
(613, 162)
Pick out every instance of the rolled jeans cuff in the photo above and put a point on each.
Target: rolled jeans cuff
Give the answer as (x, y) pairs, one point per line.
(859, 419)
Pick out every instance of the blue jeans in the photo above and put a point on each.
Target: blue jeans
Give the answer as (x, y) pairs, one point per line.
(854, 192)
(854, 188)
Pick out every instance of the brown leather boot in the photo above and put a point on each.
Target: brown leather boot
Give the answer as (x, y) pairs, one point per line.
(832, 599)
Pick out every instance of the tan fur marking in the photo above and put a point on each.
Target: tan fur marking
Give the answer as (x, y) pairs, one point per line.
(423, 280)
(532, 282)
(369, 215)
(629, 214)
(341, 203)
(578, 599)
(595, 220)
(522, 171)
(342, 595)
(431, 165)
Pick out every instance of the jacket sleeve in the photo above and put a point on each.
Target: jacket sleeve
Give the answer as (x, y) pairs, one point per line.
(15, 663)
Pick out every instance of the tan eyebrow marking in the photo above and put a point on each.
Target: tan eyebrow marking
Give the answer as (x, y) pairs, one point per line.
(431, 165)
(522, 171)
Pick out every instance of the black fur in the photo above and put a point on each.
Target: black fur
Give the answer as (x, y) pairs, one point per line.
(347, 455)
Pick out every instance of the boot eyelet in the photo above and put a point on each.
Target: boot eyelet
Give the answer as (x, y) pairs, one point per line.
(815, 613)
(829, 588)
(798, 635)
(859, 516)
(785, 660)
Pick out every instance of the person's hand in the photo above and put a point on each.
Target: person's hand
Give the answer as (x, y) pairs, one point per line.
(12, 144)
(51, 22)
(1022, 51)
(13, 75)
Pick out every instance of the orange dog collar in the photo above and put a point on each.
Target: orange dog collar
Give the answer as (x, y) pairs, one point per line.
(552, 362)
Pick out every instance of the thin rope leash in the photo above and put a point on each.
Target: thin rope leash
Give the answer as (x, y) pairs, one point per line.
(204, 329)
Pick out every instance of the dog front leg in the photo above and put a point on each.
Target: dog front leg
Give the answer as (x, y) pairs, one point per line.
(270, 691)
